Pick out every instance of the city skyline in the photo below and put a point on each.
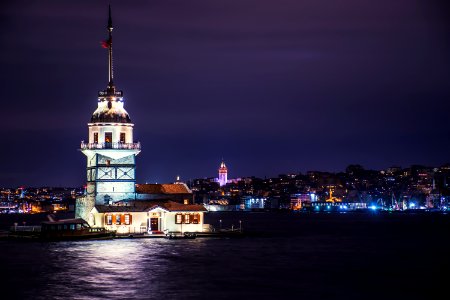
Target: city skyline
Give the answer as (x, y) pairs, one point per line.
(283, 88)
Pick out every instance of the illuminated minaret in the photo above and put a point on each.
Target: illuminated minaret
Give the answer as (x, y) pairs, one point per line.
(223, 173)
(110, 149)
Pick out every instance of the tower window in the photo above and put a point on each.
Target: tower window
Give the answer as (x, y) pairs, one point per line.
(108, 137)
(122, 137)
(96, 137)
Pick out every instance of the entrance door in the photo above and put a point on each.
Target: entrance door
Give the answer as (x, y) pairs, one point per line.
(154, 224)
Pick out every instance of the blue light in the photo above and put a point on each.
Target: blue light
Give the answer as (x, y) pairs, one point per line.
(373, 207)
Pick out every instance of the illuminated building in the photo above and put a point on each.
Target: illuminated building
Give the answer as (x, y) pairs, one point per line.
(152, 217)
(110, 150)
(113, 199)
(252, 203)
(223, 174)
(300, 199)
(331, 198)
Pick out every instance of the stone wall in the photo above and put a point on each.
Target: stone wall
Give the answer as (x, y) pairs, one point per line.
(83, 206)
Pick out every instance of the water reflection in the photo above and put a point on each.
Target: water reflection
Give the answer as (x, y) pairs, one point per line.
(310, 256)
(117, 269)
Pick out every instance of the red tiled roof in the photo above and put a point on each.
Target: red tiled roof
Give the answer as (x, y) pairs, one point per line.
(142, 206)
(175, 206)
(162, 189)
(132, 206)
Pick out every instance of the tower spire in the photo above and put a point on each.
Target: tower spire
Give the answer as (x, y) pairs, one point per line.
(109, 19)
(110, 55)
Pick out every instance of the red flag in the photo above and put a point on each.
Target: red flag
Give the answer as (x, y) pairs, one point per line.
(105, 44)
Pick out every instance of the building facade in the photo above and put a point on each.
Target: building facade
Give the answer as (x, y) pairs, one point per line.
(152, 217)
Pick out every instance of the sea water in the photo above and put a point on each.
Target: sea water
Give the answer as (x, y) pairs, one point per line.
(287, 256)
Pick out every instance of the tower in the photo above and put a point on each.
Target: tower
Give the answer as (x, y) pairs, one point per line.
(110, 150)
(223, 173)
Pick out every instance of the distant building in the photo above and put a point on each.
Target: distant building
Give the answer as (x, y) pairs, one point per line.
(253, 203)
(393, 169)
(223, 174)
(300, 199)
(334, 206)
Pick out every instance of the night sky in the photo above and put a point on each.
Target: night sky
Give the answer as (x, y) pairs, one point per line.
(271, 86)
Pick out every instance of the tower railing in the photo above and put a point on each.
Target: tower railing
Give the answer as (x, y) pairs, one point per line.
(119, 145)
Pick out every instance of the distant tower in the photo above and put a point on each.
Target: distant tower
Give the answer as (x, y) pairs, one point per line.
(223, 173)
(110, 149)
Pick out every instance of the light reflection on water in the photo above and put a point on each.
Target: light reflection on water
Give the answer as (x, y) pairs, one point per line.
(310, 256)
(118, 269)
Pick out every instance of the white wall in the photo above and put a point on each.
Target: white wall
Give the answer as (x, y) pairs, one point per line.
(167, 221)
(115, 187)
(137, 218)
(116, 129)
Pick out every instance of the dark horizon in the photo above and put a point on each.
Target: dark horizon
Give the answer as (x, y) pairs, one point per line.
(271, 86)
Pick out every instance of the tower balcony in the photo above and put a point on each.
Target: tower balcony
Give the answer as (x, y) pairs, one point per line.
(94, 146)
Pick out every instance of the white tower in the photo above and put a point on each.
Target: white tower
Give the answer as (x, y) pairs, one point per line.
(223, 174)
(110, 149)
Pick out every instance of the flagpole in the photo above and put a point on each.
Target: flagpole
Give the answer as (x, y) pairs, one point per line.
(110, 58)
